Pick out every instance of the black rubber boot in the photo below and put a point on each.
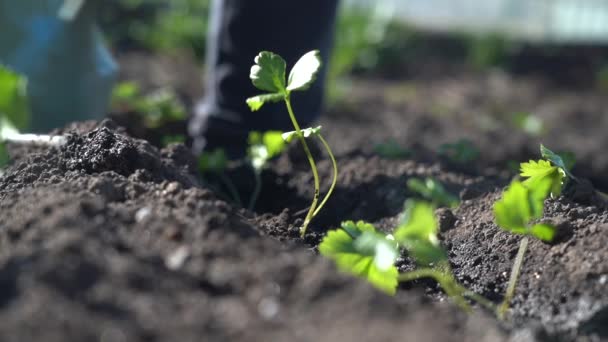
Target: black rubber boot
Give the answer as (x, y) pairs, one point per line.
(239, 30)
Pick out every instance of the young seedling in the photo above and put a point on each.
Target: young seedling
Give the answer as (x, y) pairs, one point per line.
(156, 109)
(361, 250)
(515, 212)
(553, 168)
(432, 190)
(215, 162)
(461, 152)
(268, 74)
(392, 150)
(262, 148)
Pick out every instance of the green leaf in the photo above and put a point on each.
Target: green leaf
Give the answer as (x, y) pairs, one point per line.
(264, 146)
(360, 250)
(214, 161)
(556, 159)
(433, 191)
(545, 232)
(256, 102)
(539, 171)
(306, 133)
(418, 233)
(305, 71)
(513, 211)
(519, 205)
(4, 157)
(13, 98)
(268, 73)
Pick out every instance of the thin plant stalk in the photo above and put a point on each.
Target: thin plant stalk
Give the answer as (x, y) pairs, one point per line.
(447, 284)
(313, 167)
(519, 260)
(231, 188)
(256, 190)
(335, 175)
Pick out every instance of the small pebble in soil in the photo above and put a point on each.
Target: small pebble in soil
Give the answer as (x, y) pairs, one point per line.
(177, 258)
(268, 308)
(446, 219)
(142, 214)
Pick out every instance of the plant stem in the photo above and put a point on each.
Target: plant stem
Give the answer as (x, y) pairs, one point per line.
(313, 166)
(256, 189)
(447, 283)
(335, 175)
(231, 188)
(519, 260)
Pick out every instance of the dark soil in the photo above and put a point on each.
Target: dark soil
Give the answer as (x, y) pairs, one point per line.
(108, 238)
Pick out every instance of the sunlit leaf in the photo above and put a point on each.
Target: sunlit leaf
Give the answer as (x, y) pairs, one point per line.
(256, 102)
(360, 250)
(545, 232)
(432, 190)
(305, 71)
(418, 233)
(541, 170)
(306, 132)
(268, 73)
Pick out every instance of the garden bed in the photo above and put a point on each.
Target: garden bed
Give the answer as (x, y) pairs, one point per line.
(109, 238)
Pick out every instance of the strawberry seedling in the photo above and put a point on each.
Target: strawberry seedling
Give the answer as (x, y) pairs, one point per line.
(359, 249)
(392, 150)
(268, 74)
(432, 190)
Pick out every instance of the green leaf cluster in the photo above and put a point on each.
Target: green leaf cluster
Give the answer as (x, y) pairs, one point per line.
(359, 249)
(553, 169)
(432, 190)
(156, 109)
(263, 147)
(520, 205)
(269, 74)
(417, 232)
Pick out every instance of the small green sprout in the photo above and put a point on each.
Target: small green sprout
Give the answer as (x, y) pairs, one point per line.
(461, 152)
(432, 190)
(262, 148)
(520, 205)
(216, 162)
(359, 249)
(156, 109)
(392, 150)
(269, 74)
